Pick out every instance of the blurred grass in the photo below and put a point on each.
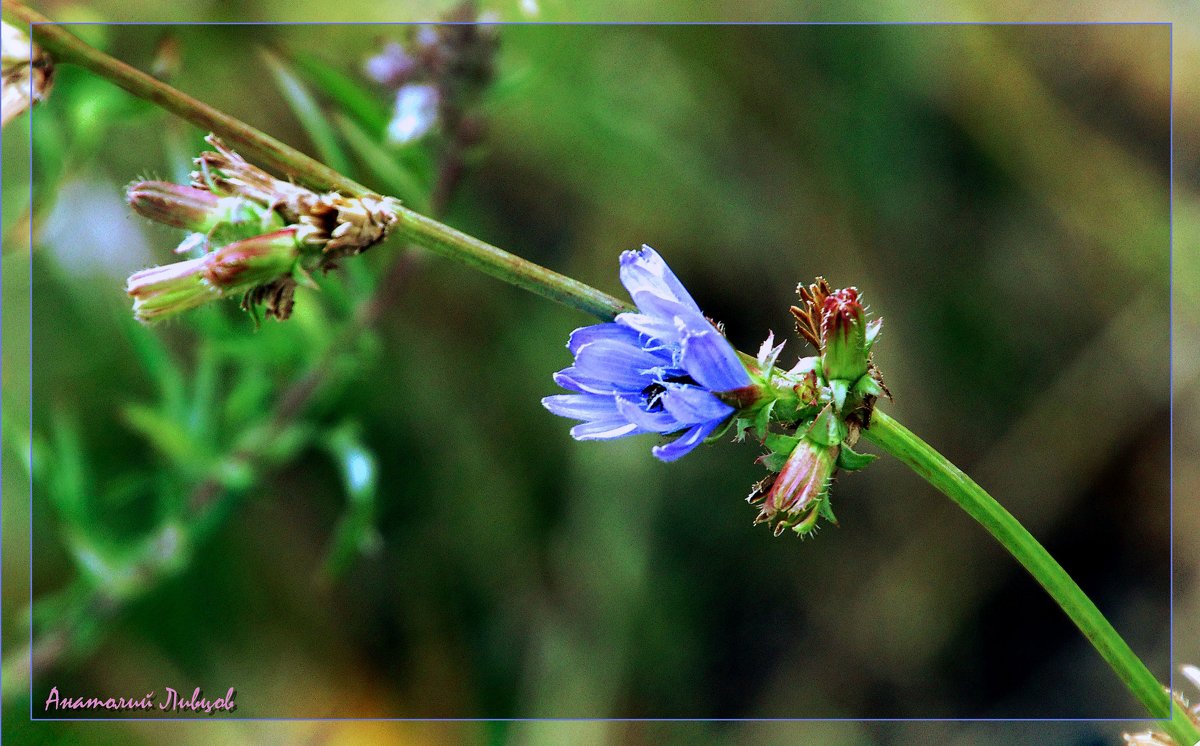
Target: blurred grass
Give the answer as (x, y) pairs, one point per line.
(1002, 204)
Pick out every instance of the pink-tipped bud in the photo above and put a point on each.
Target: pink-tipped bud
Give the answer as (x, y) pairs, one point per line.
(190, 208)
(254, 261)
(241, 266)
(800, 485)
(844, 336)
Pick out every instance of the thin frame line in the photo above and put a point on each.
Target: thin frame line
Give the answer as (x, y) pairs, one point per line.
(1170, 26)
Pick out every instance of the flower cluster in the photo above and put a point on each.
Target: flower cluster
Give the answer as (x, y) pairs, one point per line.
(836, 391)
(668, 369)
(255, 235)
(437, 73)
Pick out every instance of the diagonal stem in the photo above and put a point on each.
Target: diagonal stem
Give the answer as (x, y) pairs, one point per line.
(412, 226)
(900, 442)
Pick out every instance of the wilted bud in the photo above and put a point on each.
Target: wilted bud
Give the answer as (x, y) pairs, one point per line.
(844, 336)
(241, 266)
(173, 288)
(794, 498)
(27, 73)
(254, 261)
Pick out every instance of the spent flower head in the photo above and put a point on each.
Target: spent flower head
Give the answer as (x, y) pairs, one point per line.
(260, 236)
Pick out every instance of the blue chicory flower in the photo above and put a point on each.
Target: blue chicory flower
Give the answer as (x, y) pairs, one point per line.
(656, 371)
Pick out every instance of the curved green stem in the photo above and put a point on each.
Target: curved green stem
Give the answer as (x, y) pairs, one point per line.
(900, 442)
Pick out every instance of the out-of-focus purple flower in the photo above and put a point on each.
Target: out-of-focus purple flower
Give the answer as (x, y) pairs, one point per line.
(415, 113)
(656, 371)
(392, 67)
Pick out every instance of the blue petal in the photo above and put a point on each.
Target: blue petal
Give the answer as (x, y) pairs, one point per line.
(597, 332)
(604, 430)
(625, 365)
(656, 422)
(691, 405)
(684, 444)
(581, 406)
(653, 286)
(658, 328)
(711, 361)
(572, 380)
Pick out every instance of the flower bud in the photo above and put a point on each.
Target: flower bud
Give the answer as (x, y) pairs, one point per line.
(184, 207)
(254, 261)
(844, 336)
(241, 266)
(802, 483)
(158, 292)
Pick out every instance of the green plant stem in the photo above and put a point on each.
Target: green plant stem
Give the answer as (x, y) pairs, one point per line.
(885, 432)
(900, 442)
(422, 231)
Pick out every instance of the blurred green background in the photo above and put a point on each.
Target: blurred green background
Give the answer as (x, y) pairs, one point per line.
(1000, 194)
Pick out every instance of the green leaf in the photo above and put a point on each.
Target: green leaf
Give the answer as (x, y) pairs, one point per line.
(351, 96)
(248, 397)
(763, 419)
(150, 351)
(827, 429)
(774, 461)
(826, 509)
(781, 444)
(305, 107)
(839, 388)
(867, 386)
(201, 420)
(165, 433)
(67, 486)
(851, 460)
(356, 532)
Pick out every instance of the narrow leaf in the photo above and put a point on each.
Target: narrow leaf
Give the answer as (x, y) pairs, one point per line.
(305, 107)
(356, 532)
(165, 433)
(350, 95)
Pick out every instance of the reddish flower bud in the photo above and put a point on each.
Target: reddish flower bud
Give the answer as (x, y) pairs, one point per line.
(241, 266)
(800, 486)
(844, 336)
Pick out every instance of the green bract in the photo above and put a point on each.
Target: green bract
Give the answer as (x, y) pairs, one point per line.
(809, 417)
